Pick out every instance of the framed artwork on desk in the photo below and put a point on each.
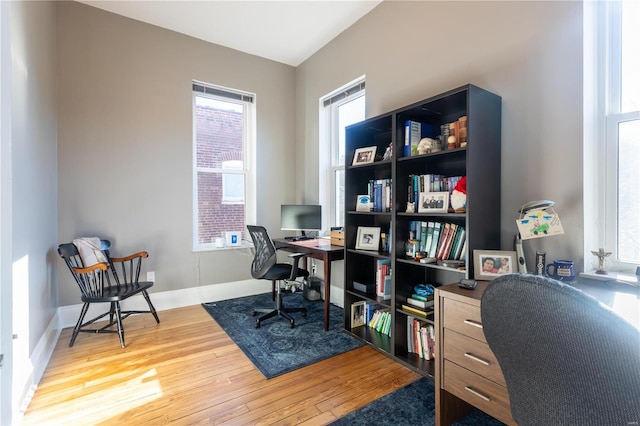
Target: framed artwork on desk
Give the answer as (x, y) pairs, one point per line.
(489, 264)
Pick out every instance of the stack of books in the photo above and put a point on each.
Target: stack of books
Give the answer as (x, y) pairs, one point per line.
(421, 306)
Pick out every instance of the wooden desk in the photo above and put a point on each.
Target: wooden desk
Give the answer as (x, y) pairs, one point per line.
(454, 309)
(320, 249)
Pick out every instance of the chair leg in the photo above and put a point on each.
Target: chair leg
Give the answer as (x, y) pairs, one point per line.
(76, 329)
(151, 308)
(119, 321)
(280, 310)
(273, 290)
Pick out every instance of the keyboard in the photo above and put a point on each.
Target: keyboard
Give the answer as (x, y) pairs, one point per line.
(299, 238)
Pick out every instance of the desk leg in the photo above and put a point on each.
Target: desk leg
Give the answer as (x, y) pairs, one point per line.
(327, 292)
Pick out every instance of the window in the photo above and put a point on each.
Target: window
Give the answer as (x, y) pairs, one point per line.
(338, 110)
(223, 172)
(620, 81)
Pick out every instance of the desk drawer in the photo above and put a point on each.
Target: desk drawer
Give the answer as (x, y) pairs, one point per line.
(484, 394)
(463, 318)
(472, 355)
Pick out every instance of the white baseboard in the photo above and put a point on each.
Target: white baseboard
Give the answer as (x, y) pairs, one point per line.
(67, 316)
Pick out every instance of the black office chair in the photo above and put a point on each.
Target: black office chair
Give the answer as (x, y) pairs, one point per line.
(265, 267)
(111, 282)
(566, 358)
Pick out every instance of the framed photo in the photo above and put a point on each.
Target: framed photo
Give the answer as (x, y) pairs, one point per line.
(489, 264)
(357, 314)
(363, 203)
(433, 202)
(368, 238)
(364, 155)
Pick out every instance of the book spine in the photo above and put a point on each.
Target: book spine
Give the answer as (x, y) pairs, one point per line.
(436, 238)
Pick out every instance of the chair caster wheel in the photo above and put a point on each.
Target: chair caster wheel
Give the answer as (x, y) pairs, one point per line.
(293, 323)
(254, 313)
(257, 324)
(304, 314)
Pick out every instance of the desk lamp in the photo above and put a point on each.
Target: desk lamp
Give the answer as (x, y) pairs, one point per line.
(550, 226)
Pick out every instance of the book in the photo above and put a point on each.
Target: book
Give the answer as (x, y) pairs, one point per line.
(444, 238)
(412, 135)
(423, 298)
(449, 242)
(416, 311)
(423, 236)
(421, 304)
(436, 237)
(462, 131)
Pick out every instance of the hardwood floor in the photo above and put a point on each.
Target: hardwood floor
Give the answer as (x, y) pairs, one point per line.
(186, 370)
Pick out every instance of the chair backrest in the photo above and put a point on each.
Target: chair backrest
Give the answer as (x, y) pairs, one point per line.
(71, 256)
(566, 358)
(265, 251)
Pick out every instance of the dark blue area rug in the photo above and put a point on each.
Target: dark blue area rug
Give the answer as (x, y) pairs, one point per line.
(275, 348)
(410, 405)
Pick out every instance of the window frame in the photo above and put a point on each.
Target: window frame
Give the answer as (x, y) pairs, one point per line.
(609, 88)
(248, 103)
(330, 142)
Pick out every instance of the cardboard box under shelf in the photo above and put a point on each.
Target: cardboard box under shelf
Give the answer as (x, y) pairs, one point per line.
(337, 238)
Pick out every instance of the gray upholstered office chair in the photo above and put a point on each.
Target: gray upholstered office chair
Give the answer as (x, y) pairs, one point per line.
(566, 358)
(265, 267)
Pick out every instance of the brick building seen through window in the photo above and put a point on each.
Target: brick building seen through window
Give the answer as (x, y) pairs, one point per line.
(219, 146)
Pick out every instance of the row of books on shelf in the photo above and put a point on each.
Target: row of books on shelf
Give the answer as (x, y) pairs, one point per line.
(430, 183)
(437, 240)
(378, 318)
(379, 191)
(452, 135)
(421, 338)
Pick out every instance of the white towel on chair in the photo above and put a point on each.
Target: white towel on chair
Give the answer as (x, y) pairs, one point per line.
(89, 249)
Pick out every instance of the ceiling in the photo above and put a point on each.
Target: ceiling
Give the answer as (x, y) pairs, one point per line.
(284, 31)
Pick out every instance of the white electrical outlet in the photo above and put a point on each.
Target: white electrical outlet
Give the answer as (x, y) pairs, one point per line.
(151, 276)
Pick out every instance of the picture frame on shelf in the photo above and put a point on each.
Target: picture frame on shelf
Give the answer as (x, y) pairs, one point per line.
(368, 238)
(433, 202)
(489, 264)
(358, 314)
(364, 155)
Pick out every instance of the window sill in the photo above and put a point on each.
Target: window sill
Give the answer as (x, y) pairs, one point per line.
(626, 278)
(212, 247)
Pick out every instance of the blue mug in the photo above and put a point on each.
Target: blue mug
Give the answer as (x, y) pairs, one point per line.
(562, 270)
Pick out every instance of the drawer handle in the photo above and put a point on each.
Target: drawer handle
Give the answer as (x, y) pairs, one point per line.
(473, 323)
(475, 358)
(476, 393)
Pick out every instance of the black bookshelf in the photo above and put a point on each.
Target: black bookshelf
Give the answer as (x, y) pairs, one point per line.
(479, 161)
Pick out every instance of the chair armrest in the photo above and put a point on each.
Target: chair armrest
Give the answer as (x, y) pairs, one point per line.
(129, 270)
(143, 254)
(91, 268)
(294, 267)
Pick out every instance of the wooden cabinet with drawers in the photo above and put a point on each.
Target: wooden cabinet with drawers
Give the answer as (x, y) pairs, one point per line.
(467, 373)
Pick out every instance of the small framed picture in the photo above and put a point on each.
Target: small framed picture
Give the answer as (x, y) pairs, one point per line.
(368, 238)
(363, 203)
(433, 202)
(489, 264)
(357, 314)
(364, 155)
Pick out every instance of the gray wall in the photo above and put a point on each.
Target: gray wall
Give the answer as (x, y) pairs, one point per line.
(529, 53)
(34, 169)
(125, 141)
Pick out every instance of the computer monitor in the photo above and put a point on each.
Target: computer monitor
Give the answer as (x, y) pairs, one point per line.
(298, 217)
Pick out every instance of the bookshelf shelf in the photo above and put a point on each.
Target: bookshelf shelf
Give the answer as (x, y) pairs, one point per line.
(474, 116)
